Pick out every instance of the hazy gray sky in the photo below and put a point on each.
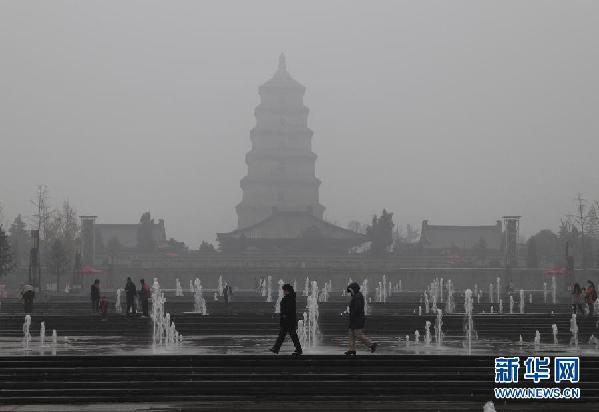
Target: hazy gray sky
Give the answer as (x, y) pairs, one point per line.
(452, 111)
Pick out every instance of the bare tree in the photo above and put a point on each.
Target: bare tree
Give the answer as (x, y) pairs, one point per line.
(58, 259)
(41, 216)
(63, 226)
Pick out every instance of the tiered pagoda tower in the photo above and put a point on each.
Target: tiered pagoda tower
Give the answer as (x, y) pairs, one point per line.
(281, 165)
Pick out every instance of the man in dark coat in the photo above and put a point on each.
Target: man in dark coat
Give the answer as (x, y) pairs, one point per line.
(288, 321)
(357, 319)
(95, 295)
(27, 293)
(144, 296)
(130, 291)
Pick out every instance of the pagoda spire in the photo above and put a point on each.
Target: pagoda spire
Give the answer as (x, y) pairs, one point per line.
(281, 165)
(282, 62)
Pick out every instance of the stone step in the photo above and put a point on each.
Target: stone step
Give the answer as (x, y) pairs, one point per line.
(254, 378)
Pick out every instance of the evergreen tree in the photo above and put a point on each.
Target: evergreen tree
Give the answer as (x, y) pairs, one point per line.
(145, 237)
(206, 247)
(19, 242)
(6, 257)
(380, 233)
(532, 260)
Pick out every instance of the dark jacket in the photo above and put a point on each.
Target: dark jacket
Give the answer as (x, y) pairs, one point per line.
(95, 292)
(130, 290)
(357, 317)
(288, 312)
(28, 296)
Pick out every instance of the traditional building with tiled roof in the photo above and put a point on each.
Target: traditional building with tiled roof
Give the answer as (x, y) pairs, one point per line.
(460, 237)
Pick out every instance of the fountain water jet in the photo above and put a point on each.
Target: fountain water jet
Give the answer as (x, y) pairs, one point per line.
(199, 303)
(384, 289)
(280, 297)
(310, 324)
(178, 288)
(163, 329)
(438, 327)
(117, 305)
(553, 290)
(42, 333)
(521, 301)
(26, 333)
(498, 288)
(545, 292)
(490, 292)
(537, 338)
(269, 288)
(511, 304)
(554, 330)
(450, 303)
(427, 333)
(574, 330)
(469, 324)
(364, 290)
(416, 336)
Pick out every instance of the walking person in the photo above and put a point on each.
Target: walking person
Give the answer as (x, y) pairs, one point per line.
(27, 294)
(577, 299)
(288, 321)
(357, 319)
(130, 296)
(227, 293)
(591, 296)
(95, 295)
(144, 296)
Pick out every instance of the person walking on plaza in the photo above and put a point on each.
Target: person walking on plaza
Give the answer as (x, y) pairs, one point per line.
(591, 296)
(95, 295)
(144, 296)
(27, 294)
(288, 321)
(130, 296)
(227, 293)
(357, 319)
(577, 299)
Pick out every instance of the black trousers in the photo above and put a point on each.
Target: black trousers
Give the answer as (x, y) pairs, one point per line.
(294, 338)
(130, 305)
(145, 306)
(96, 304)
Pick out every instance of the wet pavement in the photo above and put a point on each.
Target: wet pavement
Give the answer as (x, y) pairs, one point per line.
(259, 345)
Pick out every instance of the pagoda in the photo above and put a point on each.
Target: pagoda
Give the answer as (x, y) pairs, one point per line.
(279, 210)
(281, 165)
